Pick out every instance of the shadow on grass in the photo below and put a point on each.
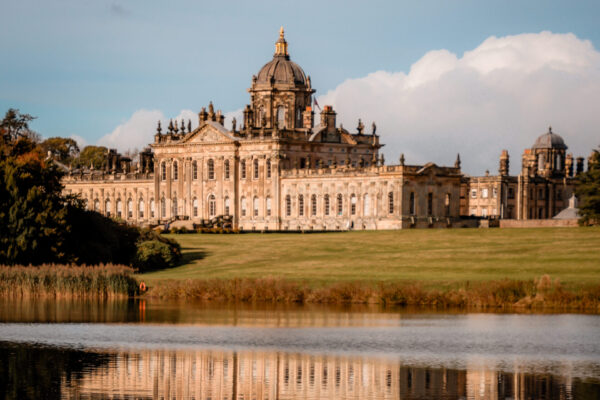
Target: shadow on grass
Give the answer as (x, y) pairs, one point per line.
(192, 256)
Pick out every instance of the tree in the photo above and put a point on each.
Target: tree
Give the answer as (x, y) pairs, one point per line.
(64, 150)
(16, 125)
(33, 213)
(588, 191)
(91, 155)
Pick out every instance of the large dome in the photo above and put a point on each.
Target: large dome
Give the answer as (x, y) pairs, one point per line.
(550, 140)
(280, 70)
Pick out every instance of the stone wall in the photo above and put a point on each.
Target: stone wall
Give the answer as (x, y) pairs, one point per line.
(537, 223)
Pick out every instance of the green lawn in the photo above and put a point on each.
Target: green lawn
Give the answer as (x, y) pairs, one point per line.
(434, 257)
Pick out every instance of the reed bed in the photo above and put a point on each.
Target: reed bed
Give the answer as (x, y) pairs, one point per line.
(55, 280)
(500, 294)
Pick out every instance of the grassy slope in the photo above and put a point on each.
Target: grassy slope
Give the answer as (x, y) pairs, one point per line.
(437, 258)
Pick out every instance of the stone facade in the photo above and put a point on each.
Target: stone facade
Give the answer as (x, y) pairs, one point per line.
(278, 170)
(275, 171)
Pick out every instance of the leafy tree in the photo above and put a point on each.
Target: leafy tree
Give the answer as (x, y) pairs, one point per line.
(588, 191)
(92, 155)
(62, 149)
(15, 125)
(33, 213)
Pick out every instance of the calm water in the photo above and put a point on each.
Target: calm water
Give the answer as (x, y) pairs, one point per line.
(137, 349)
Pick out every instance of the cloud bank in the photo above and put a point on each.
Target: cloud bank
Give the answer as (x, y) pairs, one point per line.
(501, 95)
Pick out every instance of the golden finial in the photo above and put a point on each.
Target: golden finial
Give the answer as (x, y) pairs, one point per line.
(281, 45)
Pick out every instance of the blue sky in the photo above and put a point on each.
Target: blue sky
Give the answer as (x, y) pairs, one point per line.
(85, 67)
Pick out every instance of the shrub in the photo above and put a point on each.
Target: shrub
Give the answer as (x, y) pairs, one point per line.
(156, 254)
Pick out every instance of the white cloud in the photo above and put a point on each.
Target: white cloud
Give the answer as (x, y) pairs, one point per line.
(501, 95)
(138, 131)
(81, 142)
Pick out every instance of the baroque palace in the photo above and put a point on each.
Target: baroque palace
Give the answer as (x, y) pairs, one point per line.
(279, 169)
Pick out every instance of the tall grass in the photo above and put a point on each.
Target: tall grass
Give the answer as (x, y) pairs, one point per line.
(500, 294)
(55, 280)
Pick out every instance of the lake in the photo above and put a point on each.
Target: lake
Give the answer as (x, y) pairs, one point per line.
(139, 349)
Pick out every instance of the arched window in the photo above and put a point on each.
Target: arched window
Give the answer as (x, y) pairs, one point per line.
(212, 206)
(313, 205)
(141, 208)
(411, 204)
(226, 169)
(255, 206)
(268, 204)
(174, 207)
(96, 205)
(299, 117)
(260, 116)
(390, 202)
(353, 204)
(152, 213)
(366, 205)
(243, 169)
(559, 162)
(243, 206)
(447, 204)
(430, 204)
(163, 208)
(129, 208)
(255, 163)
(194, 170)
(195, 207)
(119, 208)
(211, 169)
(175, 171)
(540, 162)
(107, 207)
(163, 171)
(288, 206)
(300, 205)
(326, 204)
(340, 204)
(281, 117)
(226, 205)
(268, 167)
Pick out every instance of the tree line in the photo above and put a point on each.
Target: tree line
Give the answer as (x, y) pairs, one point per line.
(40, 224)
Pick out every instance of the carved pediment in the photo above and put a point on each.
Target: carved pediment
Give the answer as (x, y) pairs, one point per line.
(429, 169)
(210, 132)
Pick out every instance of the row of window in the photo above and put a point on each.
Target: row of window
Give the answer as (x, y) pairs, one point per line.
(328, 207)
(128, 208)
(339, 205)
(485, 193)
(210, 167)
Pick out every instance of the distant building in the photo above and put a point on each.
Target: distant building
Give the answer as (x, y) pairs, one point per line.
(540, 191)
(277, 170)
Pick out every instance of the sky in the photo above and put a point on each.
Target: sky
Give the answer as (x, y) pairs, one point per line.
(439, 77)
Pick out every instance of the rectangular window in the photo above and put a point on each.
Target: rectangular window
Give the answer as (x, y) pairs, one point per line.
(473, 193)
(484, 193)
(494, 192)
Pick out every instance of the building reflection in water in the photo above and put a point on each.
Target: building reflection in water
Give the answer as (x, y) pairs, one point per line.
(272, 375)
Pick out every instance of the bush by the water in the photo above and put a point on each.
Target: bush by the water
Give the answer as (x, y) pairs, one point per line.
(156, 252)
(52, 280)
